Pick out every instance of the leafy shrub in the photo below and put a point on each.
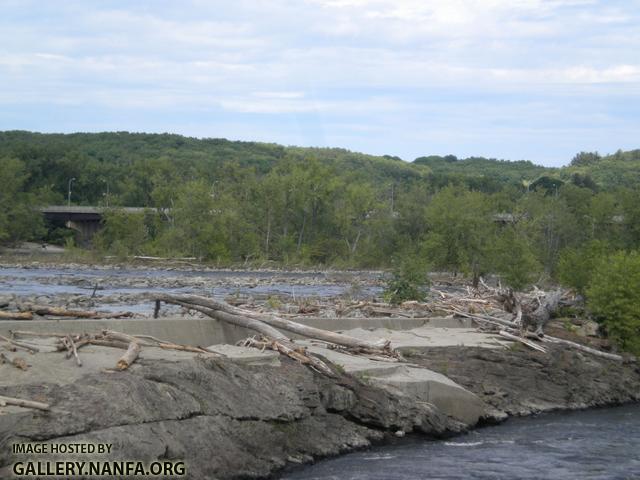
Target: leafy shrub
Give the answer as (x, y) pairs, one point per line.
(576, 265)
(409, 281)
(614, 298)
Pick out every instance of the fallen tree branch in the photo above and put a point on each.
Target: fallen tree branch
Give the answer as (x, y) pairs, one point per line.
(19, 344)
(273, 321)
(129, 357)
(584, 348)
(276, 340)
(71, 347)
(18, 402)
(16, 315)
(44, 310)
(524, 341)
(24, 333)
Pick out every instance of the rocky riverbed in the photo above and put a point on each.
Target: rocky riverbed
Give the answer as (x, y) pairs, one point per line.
(240, 413)
(129, 287)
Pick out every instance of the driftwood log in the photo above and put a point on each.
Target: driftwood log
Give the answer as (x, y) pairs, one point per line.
(271, 338)
(24, 346)
(16, 315)
(129, 357)
(268, 324)
(531, 312)
(44, 310)
(23, 403)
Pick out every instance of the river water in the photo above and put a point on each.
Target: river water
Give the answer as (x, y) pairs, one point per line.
(114, 282)
(593, 444)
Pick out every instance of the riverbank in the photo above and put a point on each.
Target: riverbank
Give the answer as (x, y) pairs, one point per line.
(237, 412)
(226, 418)
(594, 444)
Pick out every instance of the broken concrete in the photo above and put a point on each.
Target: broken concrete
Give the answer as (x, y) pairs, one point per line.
(411, 381)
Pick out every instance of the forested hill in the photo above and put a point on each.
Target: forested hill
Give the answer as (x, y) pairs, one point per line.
(134, 164)
(621, 169)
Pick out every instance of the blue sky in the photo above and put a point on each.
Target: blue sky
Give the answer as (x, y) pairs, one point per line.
(515, 79)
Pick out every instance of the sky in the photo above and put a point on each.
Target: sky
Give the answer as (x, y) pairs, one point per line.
(514, 79)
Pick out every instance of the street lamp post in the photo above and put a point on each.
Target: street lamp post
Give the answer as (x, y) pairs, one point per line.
(106, 197)
(71, 180)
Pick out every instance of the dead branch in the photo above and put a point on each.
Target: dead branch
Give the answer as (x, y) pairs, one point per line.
(277, 340)
(524, 341)
(109, 343)
(271, 321)
(584, 348)
(19, 344)
(129, 357)
(16, 315)
(71, 347)
(23, 403)
(24, 333)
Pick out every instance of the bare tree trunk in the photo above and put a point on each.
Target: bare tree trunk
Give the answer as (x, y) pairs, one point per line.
(301, 234)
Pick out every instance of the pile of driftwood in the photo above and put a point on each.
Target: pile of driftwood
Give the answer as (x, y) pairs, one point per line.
(27, 312)
(269, 327)
(72, 343)
(517, 316)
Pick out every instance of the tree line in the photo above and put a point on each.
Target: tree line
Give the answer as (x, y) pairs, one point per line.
(236, 202)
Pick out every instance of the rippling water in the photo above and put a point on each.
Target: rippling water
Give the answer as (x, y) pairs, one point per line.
(594, 444)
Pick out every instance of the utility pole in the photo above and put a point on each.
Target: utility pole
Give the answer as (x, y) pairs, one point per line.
(106, 197)
(71, 180)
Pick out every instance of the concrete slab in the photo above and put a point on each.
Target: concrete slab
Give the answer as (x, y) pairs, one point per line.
(53, 367)
(206, 331)
(425, 337)
(409, 380)
(183, 330)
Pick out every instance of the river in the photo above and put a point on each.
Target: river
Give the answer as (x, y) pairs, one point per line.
(593, 444)
(111, 282)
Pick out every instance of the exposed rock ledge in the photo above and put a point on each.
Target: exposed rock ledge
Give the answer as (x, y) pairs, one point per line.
(232, 420)
(224, 419)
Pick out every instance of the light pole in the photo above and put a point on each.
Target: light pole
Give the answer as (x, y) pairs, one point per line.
(69, 190)
(107, 194)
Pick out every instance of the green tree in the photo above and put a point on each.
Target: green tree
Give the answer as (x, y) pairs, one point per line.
(197, 224)
(461, 230)
(577, 265)
(614, 297)
(123, 233)
(19, 217)
(513, 258)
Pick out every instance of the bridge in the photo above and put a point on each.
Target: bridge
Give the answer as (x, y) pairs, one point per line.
(87, 221)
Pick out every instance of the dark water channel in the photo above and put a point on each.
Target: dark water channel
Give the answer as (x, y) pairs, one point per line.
(594, 444)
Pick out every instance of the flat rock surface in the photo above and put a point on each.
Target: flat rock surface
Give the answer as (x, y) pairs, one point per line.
(428, 337)
(222, 418)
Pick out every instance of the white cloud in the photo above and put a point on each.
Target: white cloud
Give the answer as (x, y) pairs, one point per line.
(348, 62)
